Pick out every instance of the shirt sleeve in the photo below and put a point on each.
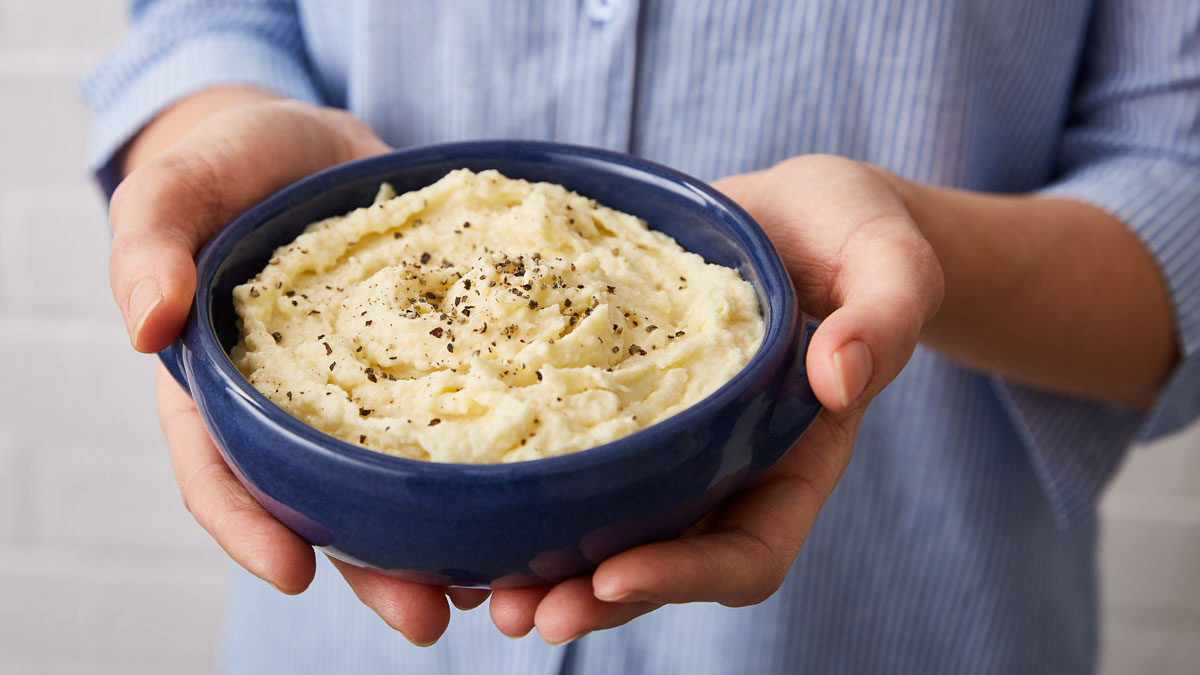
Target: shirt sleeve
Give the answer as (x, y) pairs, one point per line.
(1131, 148)
(178, 47)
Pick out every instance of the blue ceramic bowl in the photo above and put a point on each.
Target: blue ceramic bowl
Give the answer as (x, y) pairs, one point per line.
(510, 524)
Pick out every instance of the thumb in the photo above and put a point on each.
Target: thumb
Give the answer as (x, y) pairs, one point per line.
(167, 208)
(857, 257)
(886, 290)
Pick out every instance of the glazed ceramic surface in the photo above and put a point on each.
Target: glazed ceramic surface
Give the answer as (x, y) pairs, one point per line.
(508, 524)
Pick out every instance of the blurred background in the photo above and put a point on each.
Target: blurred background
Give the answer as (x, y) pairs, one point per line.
(101, 568)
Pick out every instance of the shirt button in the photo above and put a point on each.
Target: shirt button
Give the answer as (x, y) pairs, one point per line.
(602, 11)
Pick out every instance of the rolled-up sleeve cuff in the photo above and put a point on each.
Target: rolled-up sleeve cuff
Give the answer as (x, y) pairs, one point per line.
(124, 97)
(1076, 446)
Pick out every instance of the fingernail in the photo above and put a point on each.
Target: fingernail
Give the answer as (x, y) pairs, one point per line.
(418, 644)
(852, 368)
(292, 593)
(142, 301)
(624, 596)
(565, 642)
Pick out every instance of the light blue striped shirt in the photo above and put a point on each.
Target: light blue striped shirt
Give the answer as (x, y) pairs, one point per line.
(962, 537)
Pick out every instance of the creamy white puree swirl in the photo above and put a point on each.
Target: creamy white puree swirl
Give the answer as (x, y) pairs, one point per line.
(484, 319)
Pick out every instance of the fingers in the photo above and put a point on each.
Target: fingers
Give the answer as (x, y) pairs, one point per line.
(417, 611)
(468, 598)
(736, 567)
(222, 506)
(513, 609)
(170, 205)
(753, 539)
(571, 610)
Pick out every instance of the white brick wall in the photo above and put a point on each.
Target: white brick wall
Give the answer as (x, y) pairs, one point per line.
(101, 569)
(1150, 559)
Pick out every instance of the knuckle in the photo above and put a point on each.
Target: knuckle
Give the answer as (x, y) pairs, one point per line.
(215, 496)
(120, 198)
(178, 187)
(762, 586)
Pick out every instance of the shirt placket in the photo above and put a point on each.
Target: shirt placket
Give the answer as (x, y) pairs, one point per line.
(597, 74)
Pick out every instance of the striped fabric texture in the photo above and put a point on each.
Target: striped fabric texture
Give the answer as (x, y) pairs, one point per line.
(962, 538)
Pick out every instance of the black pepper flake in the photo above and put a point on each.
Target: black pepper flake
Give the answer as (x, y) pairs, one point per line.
(436, 332)
(359, 349)
(368, 322)
(371, 376)
(450, 347)
(616, 349)
(294, 303)
(533, 304)
(253, 292)
(679, 333)
(425, 258)
(289, 395)
(467, 284)
(567, 302)
(539, 375)
(290, 293)
(467, 224)
(396, 235)
(278, 337)
(362, 438)
(651, 328)
(434, 422)
(332, 365)
(429, 295)
(363, 412)
(611, 289)
(328, 349)
(313, 311)
(634, 349)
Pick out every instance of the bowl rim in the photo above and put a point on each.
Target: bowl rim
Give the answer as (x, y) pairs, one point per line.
(780, 315)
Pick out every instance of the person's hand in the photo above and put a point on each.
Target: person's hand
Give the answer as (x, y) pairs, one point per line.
(161, 214)
(857, 260)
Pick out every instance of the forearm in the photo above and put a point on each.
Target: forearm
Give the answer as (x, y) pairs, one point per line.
(177, 120)
(1049, 292)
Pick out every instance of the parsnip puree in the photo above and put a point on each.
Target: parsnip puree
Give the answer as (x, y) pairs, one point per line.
(483, 319)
